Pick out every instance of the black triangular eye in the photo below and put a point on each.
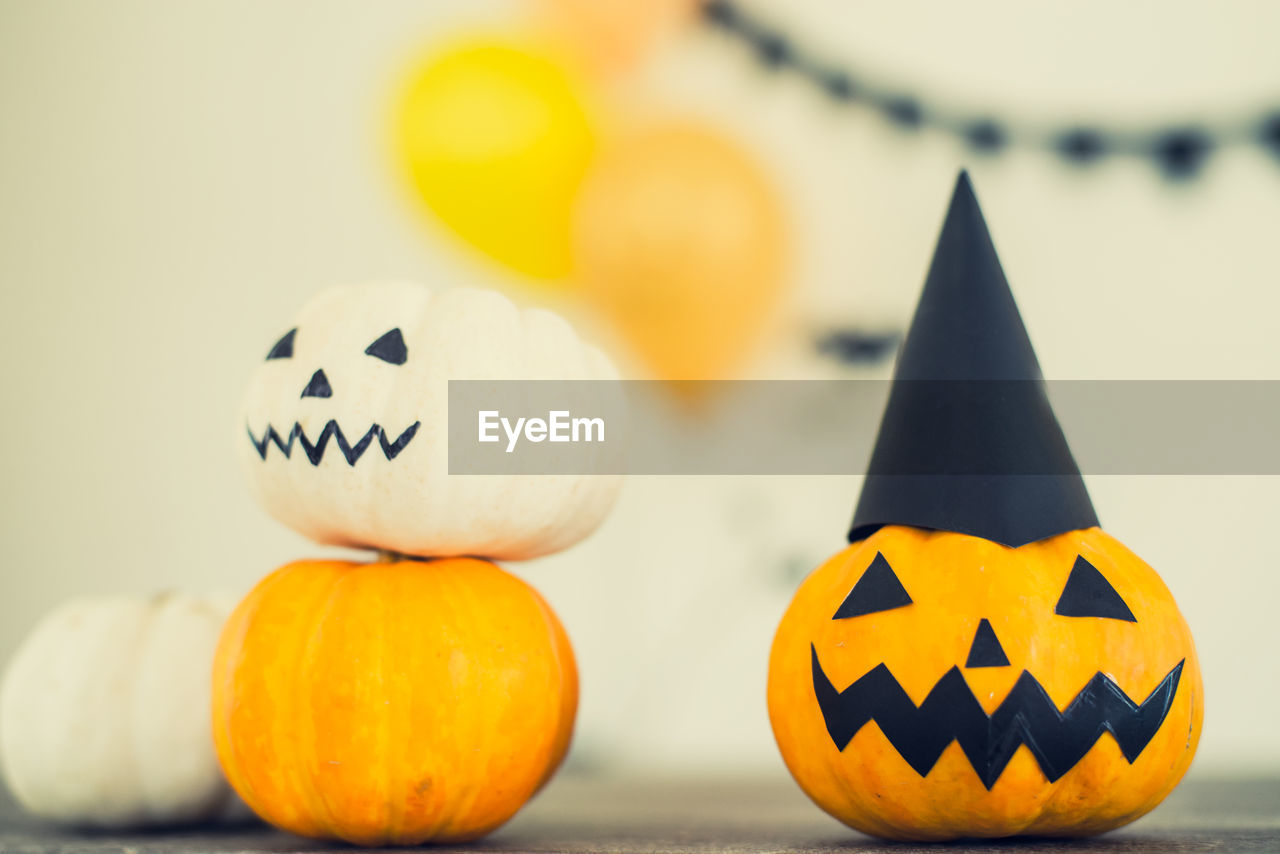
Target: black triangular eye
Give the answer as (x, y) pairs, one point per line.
(389, 348)
(877, 590)
(283, 348)
(1088, 594)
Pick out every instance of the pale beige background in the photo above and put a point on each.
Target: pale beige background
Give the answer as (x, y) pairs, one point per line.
(177, 178)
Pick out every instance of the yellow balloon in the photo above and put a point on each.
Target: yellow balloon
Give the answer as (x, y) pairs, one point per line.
(679, 238)
(497, 140)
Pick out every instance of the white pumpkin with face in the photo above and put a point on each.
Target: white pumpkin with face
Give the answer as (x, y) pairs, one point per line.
(343, 433)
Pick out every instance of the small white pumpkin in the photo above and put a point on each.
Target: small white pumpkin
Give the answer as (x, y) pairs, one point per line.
(105, 713)
(344, 430)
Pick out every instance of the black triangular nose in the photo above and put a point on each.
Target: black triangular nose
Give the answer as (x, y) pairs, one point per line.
(986, 650)
(318, 387)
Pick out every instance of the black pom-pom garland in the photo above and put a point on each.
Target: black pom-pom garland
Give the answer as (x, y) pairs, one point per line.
(1178, 152)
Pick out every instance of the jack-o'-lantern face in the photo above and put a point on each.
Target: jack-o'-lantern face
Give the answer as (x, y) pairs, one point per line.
(390, 348)
(314, 408)
(344, 428)
(930, 684)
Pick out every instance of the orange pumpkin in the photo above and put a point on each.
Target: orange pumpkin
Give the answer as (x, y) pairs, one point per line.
(929, 685)
(393, 702)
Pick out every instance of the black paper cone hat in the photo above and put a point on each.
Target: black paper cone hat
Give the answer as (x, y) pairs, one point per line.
(969, 442)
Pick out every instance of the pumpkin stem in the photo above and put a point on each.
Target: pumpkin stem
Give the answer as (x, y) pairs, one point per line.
(389, 556)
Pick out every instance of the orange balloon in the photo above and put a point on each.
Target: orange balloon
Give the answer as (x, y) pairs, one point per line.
(679, 238)
(611, 36)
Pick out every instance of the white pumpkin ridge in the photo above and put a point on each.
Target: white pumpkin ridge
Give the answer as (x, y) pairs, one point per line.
(391, 448)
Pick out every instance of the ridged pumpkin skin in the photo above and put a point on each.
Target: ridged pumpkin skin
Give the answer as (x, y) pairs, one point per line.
(392, 703)
(955, 581)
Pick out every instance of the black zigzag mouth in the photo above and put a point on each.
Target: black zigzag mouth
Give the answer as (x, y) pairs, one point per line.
(391, 448)
(1028, 715)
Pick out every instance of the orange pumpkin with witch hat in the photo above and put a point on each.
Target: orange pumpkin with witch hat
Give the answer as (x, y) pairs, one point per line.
(982, 659)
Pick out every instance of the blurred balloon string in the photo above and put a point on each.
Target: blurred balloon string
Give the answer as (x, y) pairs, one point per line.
(1179, 151)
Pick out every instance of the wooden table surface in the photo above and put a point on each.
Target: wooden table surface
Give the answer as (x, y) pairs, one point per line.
(577, 814)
